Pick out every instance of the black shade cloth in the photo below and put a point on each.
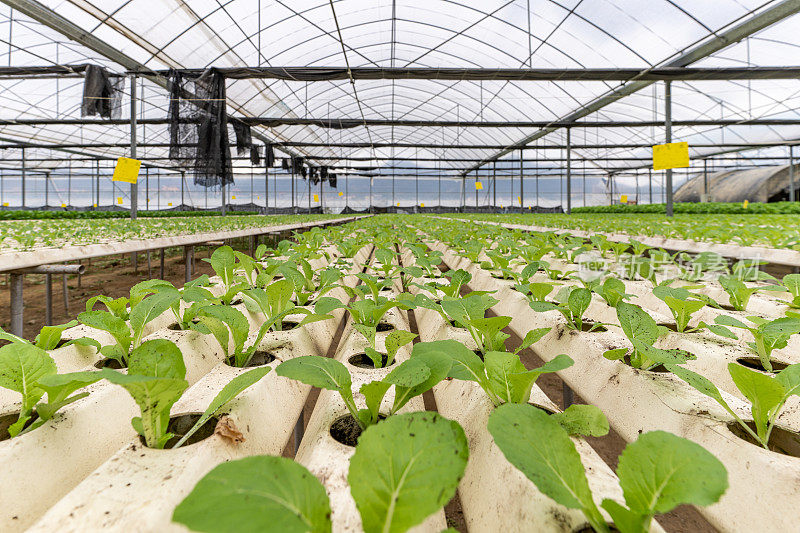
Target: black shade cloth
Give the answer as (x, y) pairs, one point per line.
(102, 93)
(255, 155)
(269, 156)
(198, 129)
(332, 180)
(244, 137)
(285, 164)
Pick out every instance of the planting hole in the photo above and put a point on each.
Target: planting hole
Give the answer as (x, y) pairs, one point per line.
(177, 327)
(260, 358)
(587, 325)
(543, 408)
(345, 430)
(781, 441)
(237, 300)
(669, 326)
(108, 363)
(8, 420)
(384, 327)
(362, 360)
(586, 528)
(289, 324)
(755, 364)
(179, 425)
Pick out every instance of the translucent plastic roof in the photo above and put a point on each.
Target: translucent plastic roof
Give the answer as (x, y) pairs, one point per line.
(161, 34)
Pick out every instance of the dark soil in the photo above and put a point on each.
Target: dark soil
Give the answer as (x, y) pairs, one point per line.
(112, 276)
(780, 440)
(346, 430)
(362, 360)
(7, 420)
(260, 358)
(383, 327)
(755, 364)
(180, 425)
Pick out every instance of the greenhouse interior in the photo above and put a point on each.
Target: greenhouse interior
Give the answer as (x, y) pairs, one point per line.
(391, 265)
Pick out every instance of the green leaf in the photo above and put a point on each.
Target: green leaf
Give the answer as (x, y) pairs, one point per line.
(615, 354)
(395, 340)
(660, 471)
(765, 394)
(114, 325)
(465, 364)
(230, 391)
(580, 419)
(409, 373)
(326, 304)
(532, 337)
(578, 302)
(59, 386)
(49, 336)
(374, 392)
(262, 494)
(149, 309)
(159, 358)
(789, 377)
(699, 383)
(438, 365)
(406, 468)
(725, 320)
(316, 371)
(542, 450)
(522, 382)
(155, 396)
(499, 368)
(21, 367)
(220, 319)
(624, 519)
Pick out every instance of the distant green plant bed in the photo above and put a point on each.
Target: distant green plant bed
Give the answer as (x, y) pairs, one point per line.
(69, 215)
(709, 208)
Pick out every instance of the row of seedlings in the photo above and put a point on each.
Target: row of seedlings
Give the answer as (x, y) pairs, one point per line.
(629, 365)
(138, 357)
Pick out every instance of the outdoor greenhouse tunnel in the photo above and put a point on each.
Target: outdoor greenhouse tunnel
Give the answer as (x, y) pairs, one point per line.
(393, 265)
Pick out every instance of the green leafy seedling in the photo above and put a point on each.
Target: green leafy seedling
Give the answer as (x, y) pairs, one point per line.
(657, 473)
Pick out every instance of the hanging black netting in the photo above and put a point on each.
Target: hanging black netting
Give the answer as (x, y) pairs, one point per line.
(269, 156)
(102, 93)
(332, 180)
(198, 127)
(285, 165)
(244, 137)
(255, 155)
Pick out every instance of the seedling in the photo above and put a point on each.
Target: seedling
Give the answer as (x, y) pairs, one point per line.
(366, 313)
(739, 294)
(411, 378)
(223, 261)
(469, 312)
(767, 335)
(767, 395)
(403, 470)
(642, 331)
(501, 375)
(30, 371)
(657, 473)
(612, 291)
(127, 337)
(156, 380)
(572, 303)
(682, 303)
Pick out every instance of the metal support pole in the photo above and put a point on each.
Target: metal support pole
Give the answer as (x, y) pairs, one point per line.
(791, 173)
(705, 178)
(569, 171)
(188, 252)
(47, 189)
(23, 177)
(134, 191)
(48, 299)
(161, 265)
(183, 183)
(668, 132)
(650, 180)
(494, 184)
(65, 292)
(224, 199)
(521, 180)
(476, 190)
(266, 190)
(294, 209)
(17, 305)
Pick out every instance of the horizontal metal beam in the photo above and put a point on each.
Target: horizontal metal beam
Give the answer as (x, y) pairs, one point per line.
(280, 145)
(503, 74)
(345, 123)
